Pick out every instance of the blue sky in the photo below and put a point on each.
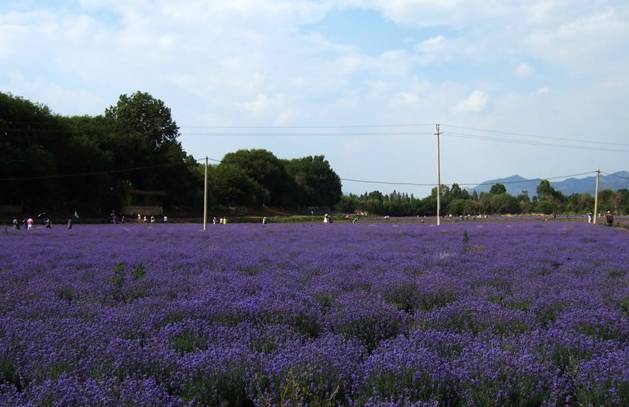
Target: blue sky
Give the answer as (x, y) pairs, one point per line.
(552, 68)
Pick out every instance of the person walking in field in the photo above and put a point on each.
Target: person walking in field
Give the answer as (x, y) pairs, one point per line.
(16, 224)
(609, 218)
(29, 223)
(69, 224)
(590, 217)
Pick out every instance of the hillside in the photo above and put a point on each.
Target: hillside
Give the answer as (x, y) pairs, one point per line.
(515, 184)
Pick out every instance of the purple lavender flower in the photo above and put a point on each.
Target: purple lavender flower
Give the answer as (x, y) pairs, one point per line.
(357, 315)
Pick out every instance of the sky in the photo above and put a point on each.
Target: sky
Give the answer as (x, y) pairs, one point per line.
(553, 69)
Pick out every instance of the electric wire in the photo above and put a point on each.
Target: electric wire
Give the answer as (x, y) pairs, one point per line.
(342, 126)
(356, 133)
(303, 134)
(516, 134)
(532, 143)
(280, 131)
(82, 174)
(407, 183)
(364, 181)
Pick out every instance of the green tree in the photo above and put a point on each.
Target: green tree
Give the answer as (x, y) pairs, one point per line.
(472, 207)
(579, 203)
(231, 186)
(458, 193)
(457, 207)
(146, 116)
(546, 207)
(37, 151)
(608, 200)
(268, 171)
(549, 200)
(347, 204)
(498, 189)
(546, 192)
(504, 203)
(526, 206)
(623, 201)
(317, 183)
(144, 135)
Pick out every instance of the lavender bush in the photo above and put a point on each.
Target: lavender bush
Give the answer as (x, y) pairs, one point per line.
(359, 315)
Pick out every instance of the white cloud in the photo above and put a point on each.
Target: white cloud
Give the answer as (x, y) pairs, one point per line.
(422, 13)
(524, 70)
(250, 62)
(406, 98)
(433, 49)
(476, 102)
(70, 100)
(584, 42)
(432, 44)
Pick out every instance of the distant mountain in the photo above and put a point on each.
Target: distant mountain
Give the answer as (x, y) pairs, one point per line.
(516, 184)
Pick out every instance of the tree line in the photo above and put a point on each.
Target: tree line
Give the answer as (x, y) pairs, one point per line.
(91, 164)
(457, 201)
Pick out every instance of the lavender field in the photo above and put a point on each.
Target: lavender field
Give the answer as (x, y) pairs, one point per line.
(469, 314)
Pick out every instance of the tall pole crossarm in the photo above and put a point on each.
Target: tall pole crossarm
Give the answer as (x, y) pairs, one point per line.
(438, 134)
(598, 174)
(205, 187)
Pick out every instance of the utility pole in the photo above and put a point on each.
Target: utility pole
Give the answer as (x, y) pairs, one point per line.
(598, 174)
(438, 133)
(205, 198)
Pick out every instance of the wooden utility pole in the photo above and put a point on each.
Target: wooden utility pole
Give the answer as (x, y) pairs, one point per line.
(598, 174)
(438, 133)
(205, 198)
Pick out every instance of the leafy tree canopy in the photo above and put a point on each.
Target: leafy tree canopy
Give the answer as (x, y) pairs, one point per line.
(498, 189)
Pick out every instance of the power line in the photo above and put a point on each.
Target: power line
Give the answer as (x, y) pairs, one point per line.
(387, 182)
(346, 126)
(302, 134)
(25, 125)
(417, 184)
(400, 133)
(363, 181)
(81, 174)
(516, 134)
(531, 143)
(39, 128)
